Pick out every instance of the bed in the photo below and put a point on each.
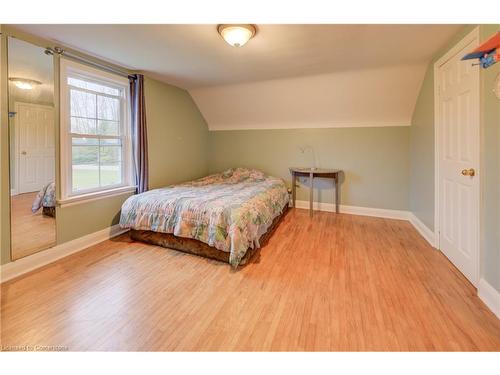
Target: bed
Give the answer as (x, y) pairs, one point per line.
(224, 216)
(46, 200)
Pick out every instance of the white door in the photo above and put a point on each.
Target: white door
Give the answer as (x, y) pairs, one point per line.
(458, 158)
(36, 151)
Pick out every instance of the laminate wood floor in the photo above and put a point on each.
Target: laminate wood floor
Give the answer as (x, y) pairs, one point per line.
(333, 282)
(31, 232)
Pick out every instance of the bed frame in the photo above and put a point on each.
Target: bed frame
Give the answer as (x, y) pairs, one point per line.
(192, 246)
(49, 211)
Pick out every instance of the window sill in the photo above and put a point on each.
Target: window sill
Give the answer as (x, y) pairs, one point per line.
(89, 197)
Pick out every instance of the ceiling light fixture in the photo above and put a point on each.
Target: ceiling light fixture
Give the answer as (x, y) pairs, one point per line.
(23, 83)
(237, 35)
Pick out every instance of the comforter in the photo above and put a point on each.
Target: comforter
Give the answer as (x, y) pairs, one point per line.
(229, 211)
(46, 197)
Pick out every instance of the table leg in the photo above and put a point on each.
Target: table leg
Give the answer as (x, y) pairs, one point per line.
(310, 194)
(294, 182)
(337, 193)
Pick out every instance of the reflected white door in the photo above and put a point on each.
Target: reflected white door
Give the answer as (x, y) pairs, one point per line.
(458, 157)
(36, 151)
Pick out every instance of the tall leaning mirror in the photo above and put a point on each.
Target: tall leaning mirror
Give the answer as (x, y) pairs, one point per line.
(32, 148)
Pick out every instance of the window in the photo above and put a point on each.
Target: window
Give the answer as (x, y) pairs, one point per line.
(95, 132)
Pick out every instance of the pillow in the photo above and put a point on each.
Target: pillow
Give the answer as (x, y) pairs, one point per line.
(235, 175)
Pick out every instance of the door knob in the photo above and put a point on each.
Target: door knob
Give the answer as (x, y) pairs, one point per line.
(469, 172)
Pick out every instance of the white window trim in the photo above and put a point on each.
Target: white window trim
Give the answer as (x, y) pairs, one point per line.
(68, 68)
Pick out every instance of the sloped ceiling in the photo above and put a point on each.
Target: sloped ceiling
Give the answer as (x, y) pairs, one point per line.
(287, 76)
(368, 97)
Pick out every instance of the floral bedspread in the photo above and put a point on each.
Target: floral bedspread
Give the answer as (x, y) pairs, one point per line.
(46, 197)
(229, 210)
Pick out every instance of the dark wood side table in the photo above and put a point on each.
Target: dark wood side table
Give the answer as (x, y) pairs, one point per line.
(311, 173)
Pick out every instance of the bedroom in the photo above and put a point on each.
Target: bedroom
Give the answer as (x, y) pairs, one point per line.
(283, 186)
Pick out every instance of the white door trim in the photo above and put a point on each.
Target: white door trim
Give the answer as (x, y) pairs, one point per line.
(16, 138)
(473, 35)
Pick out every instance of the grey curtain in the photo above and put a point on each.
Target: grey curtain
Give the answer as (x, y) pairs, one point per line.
(139, 132)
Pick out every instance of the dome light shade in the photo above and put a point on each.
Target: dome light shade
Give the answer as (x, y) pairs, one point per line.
(23, 83)
(236, 35)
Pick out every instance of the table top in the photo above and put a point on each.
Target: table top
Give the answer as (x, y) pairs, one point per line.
(314, 170)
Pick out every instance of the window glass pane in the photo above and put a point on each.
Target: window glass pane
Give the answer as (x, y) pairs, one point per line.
(111, 142)
(77, 141)
(83, 155)
(109, 127)
(108, 108)
(82, 104)
(111, 174)
(93, 86)
(96, 125)
(110, 154)
(85, 161)
(81, 125)
(85, 177)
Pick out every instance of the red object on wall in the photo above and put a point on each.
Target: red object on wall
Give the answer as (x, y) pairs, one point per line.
(490, 45)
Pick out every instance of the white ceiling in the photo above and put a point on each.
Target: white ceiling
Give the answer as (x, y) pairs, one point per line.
(191, 56)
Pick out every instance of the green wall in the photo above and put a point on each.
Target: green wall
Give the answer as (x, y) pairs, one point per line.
(490, 110)
(422, 157)
(375, 160)
(75, 221)
(421, 199)
(177, 135)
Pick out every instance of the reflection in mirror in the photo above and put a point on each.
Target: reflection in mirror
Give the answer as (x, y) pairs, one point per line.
(32, 148)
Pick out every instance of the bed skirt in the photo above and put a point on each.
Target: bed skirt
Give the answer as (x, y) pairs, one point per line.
(192, 246)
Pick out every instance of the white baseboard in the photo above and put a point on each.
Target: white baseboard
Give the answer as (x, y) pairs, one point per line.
(356, 210)
(490, 296)
(375, 212)
(21, 266)
(422, 229)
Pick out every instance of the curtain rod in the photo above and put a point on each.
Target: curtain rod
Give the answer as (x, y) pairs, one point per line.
(61, 52)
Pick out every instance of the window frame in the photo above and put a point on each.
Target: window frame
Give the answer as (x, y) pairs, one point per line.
(70, 68)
